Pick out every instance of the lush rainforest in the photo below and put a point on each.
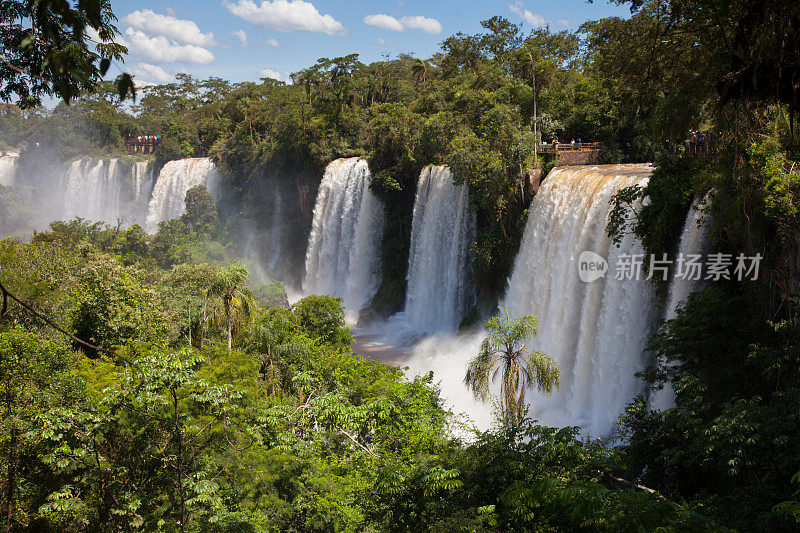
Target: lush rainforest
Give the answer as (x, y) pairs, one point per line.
(146, 383)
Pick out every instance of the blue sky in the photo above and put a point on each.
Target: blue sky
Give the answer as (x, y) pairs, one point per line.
(243, 40)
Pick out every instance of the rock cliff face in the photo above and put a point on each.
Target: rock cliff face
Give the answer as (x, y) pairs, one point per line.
(582, 157)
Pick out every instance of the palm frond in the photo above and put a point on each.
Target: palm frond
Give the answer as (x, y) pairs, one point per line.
(503, 353)
(478, 370)
(543, 371)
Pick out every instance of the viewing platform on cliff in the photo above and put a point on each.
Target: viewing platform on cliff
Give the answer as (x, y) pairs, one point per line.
(142, 144)
(574, 154)
(569, 147)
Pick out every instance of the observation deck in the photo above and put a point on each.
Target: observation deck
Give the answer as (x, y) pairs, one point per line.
(143, 144)
(574, 154)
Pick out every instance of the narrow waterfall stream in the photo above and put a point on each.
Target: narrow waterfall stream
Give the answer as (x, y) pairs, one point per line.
(175, 178)
(344, 244)
(694, 240)
(439, 291)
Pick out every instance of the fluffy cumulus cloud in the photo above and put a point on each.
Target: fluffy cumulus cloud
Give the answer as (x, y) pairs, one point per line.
(269, 73)
(388, 22)
(241, 35)
(286, 15)
(428, 25)
(160, 49)
(180, 31)
(145, 72)
(537, 21)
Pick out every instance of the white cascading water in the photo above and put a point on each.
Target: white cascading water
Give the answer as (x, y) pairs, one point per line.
(142, 181)
(695, 239)
(597, 332)
(175, 178)
(8, 168)
(96, 190)
(344, 244)
(439, 292)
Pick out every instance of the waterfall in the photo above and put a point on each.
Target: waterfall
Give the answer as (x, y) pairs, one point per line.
(96, 190)
(175, 178)
(439, 293)
(346, 232)
(694, 240)
(142, 178)
(106, 190)
(8, 169)
(596, 331)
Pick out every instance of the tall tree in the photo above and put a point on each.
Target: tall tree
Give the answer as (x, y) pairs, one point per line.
(238, 303)
(504, 352)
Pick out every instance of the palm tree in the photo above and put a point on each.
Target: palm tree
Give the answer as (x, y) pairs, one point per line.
(503, 351)
(237, 303)
(419, 69)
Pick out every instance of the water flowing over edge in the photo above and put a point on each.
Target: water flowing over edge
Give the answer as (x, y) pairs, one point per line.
(439, 292)
(343, 247)
(175, 178)
(597, 332)
(112, 190)
(8, 168)
(106, 190)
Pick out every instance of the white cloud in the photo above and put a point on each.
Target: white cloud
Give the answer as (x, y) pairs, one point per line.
(537, 21)
(179, 30)
(159, 49)
(269, 73)
(428, 25)
(286, 15)
(241, 35)
(388, 22)
(272, 42)
(145, 72)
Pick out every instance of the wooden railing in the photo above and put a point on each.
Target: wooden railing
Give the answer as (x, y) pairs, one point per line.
(141, 146)
(569, 147)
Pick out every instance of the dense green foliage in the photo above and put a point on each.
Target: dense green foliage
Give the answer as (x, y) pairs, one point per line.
(732, 440)
(287, 431)
(47, 50)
